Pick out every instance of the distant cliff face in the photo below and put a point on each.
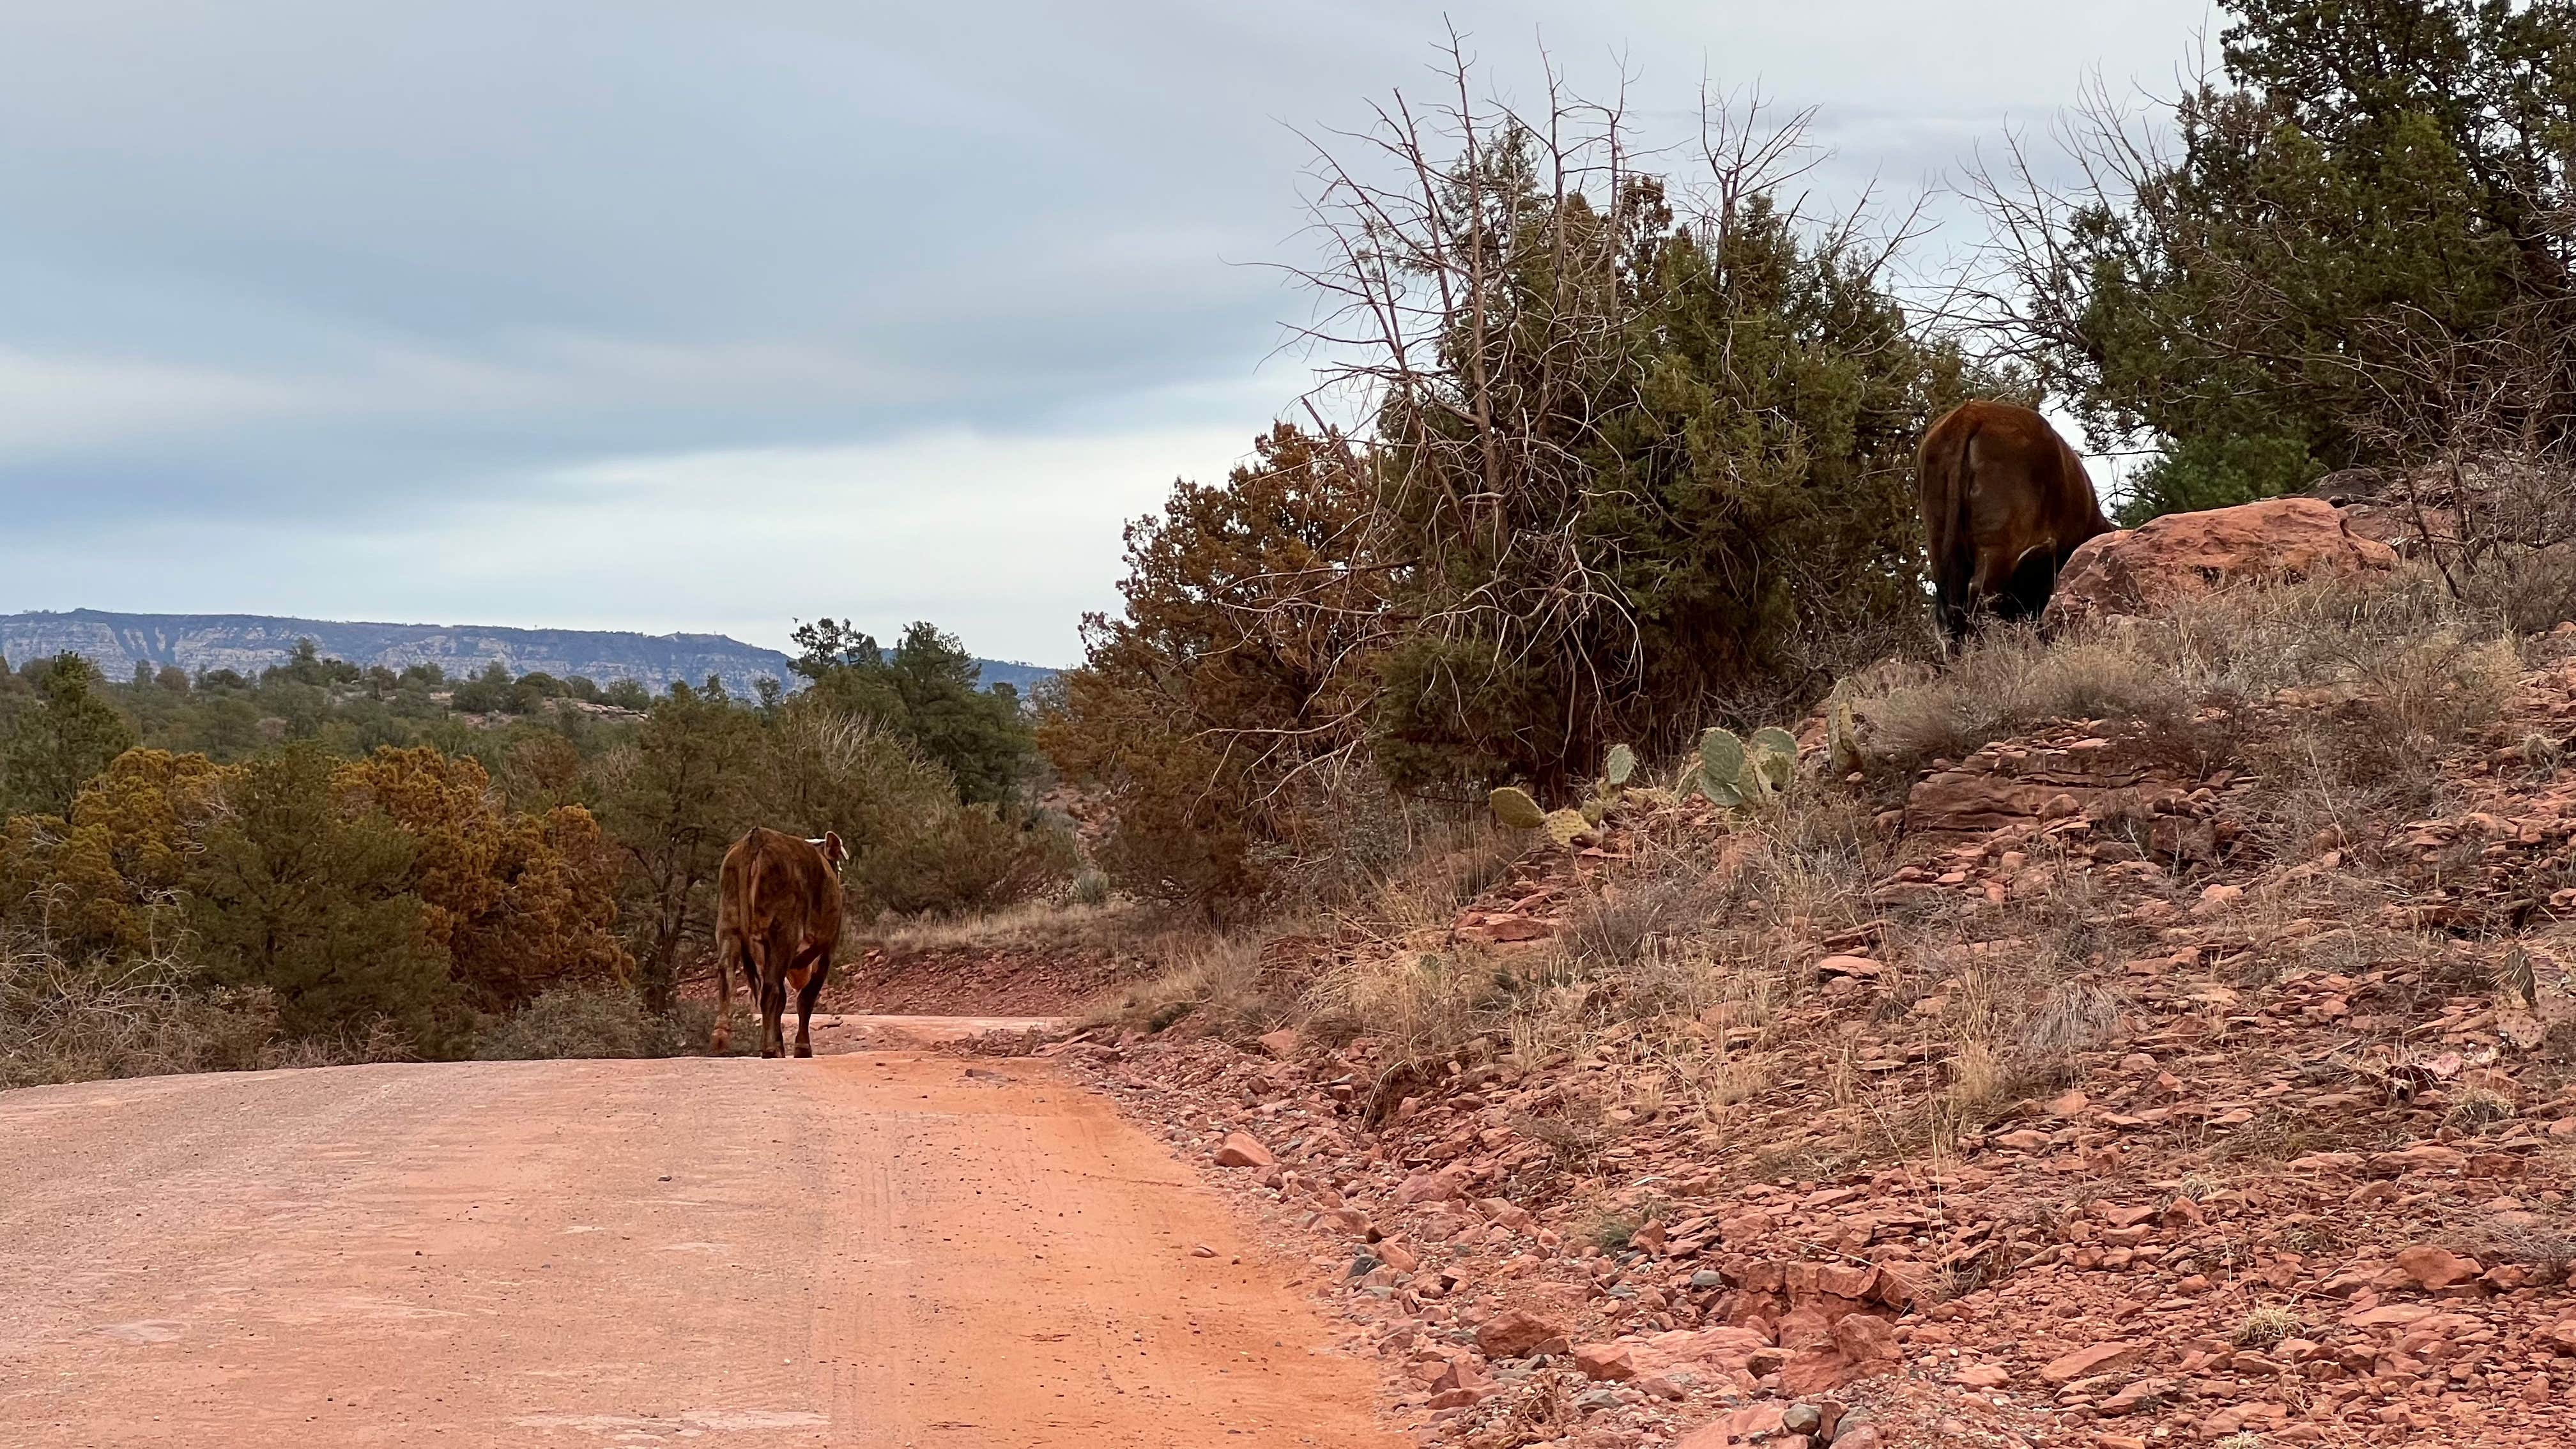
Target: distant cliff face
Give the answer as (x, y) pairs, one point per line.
(252, 642)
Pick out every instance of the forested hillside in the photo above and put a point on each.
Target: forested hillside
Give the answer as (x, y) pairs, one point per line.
(324, 860)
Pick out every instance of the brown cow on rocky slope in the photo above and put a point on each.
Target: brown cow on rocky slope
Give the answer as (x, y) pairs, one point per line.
(2004, 502)
(778, 914)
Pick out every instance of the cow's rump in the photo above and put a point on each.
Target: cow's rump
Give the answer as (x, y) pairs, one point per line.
(778, 916)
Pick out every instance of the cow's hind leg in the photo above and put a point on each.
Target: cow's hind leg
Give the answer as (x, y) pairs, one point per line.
(811, 972)
(1992, 592)
(728, 947)
(2033, 578)
(775, 957)
(773, 1007)
(1950, 614)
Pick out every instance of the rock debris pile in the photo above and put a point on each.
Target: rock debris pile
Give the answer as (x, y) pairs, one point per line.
(2294, 1165)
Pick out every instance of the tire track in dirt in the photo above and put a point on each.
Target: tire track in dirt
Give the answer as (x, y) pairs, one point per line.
(878, 1249)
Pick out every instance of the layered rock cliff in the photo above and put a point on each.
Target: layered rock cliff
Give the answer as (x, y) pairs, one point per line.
(252, 642)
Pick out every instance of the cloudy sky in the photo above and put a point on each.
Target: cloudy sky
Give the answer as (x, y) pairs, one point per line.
(715, 314)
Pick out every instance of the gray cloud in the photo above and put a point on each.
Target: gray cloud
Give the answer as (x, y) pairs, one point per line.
(293, 282)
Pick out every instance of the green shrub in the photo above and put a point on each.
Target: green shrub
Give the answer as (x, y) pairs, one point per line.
(581, 1021)
(69, 735)
(962, 858)
(297, 893)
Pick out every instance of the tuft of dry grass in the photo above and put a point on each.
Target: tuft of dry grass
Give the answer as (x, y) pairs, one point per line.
(2007, 680)
(1978, 1085)
(2263, 1327)
(2072, 1016)
(2544, 1240)
(2017, 1013)
(1611, 1232)
(1574, 1134)
(1611, 934)
(1737, 1077)
(1428, 866)
(1429, 888)
(2475, 1108)
(2370, 749)
(1422, 1006)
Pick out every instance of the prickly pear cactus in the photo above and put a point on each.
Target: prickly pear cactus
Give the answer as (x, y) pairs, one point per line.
(1721, 767)
(1515, 808)
(1842, 739)
(1621, 764)
(1567, 826)
(1775, 756)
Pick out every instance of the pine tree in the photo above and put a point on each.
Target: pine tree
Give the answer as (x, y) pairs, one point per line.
(300, 894)
(52, 749)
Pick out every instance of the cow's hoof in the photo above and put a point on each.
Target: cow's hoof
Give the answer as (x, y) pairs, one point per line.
(766, 1053)
(803, 1050)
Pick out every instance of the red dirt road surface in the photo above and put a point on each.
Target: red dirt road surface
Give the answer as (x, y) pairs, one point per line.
(873, 1249)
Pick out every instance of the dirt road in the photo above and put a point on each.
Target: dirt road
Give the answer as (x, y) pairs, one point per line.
(870, 1249)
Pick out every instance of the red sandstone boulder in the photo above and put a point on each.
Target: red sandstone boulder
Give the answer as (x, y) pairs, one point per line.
(1518, 1335)
(1441, 1186)
(1242, 1149)
(2161, 562)
(1752, 1424)
(2101, 1358)
(2432, 1267)
(1605, 1362)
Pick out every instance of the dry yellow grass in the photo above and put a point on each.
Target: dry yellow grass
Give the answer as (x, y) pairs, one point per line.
(1213, 977)
(2420, 662)
(1673, 969)
(1029, 924)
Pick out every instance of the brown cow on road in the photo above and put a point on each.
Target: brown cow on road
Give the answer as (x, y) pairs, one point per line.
(2004, 502)
(778, 914)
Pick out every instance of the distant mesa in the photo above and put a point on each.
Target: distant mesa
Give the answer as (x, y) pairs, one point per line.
(250, 643)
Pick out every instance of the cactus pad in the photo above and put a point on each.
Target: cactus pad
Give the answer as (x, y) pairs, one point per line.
(1514, 807)
(1775, 752)
(1842, 739)
(1622, 763)
(1567, 826)
(1721, 759)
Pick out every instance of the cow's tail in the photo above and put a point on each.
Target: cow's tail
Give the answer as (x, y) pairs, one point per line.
(1942, 471)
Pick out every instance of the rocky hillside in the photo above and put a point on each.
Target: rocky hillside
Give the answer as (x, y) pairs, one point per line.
(2197, 1071)
(252, 642)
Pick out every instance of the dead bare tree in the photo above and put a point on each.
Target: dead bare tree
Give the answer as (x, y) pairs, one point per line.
(1470, 310)
(2481, 479)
